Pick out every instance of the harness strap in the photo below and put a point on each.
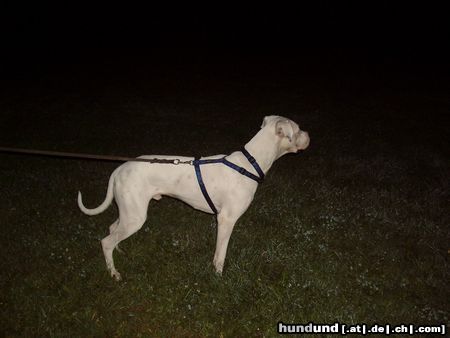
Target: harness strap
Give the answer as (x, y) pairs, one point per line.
(253, 162)
(198, 172)
(197, 163)
(241, 170)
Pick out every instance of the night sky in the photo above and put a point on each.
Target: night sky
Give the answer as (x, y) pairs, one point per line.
(348, 47)
(36, 34)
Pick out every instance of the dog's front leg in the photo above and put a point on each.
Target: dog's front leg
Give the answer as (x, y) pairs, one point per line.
(224, 229)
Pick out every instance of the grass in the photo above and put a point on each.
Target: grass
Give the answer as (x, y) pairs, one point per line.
(355, 229)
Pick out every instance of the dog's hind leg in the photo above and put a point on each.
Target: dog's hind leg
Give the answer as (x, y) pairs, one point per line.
(112, 228)
(133, 213)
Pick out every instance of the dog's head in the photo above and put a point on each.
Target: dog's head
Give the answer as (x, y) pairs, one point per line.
(292, 139)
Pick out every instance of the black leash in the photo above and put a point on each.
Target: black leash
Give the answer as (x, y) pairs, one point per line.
(91, 156)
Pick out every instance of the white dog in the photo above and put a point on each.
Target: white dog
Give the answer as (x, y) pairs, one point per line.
(229, 191)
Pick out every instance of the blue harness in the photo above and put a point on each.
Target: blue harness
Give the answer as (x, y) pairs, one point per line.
(197, 163)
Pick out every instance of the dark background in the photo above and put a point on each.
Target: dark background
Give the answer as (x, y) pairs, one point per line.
(375, 53)
(37, 35)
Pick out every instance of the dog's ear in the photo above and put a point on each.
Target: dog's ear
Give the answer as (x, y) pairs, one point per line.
(284, 128)
(268, 119)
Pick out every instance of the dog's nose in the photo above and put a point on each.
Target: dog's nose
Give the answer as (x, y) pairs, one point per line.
(304, 137)
(307, 139)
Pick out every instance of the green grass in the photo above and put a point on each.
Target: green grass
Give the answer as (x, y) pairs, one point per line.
(355, 229)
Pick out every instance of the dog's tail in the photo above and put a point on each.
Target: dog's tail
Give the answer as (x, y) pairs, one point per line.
(106, 203)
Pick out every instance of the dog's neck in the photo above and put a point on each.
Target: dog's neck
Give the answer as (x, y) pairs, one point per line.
(264, 149)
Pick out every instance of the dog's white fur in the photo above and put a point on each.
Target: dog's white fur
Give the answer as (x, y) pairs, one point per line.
(134, 184)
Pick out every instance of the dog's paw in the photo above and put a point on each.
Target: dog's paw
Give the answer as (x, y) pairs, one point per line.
(218, 266)
(219, 271)
(116, 275)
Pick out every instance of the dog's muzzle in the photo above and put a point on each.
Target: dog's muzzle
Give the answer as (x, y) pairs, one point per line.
(304, 141)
